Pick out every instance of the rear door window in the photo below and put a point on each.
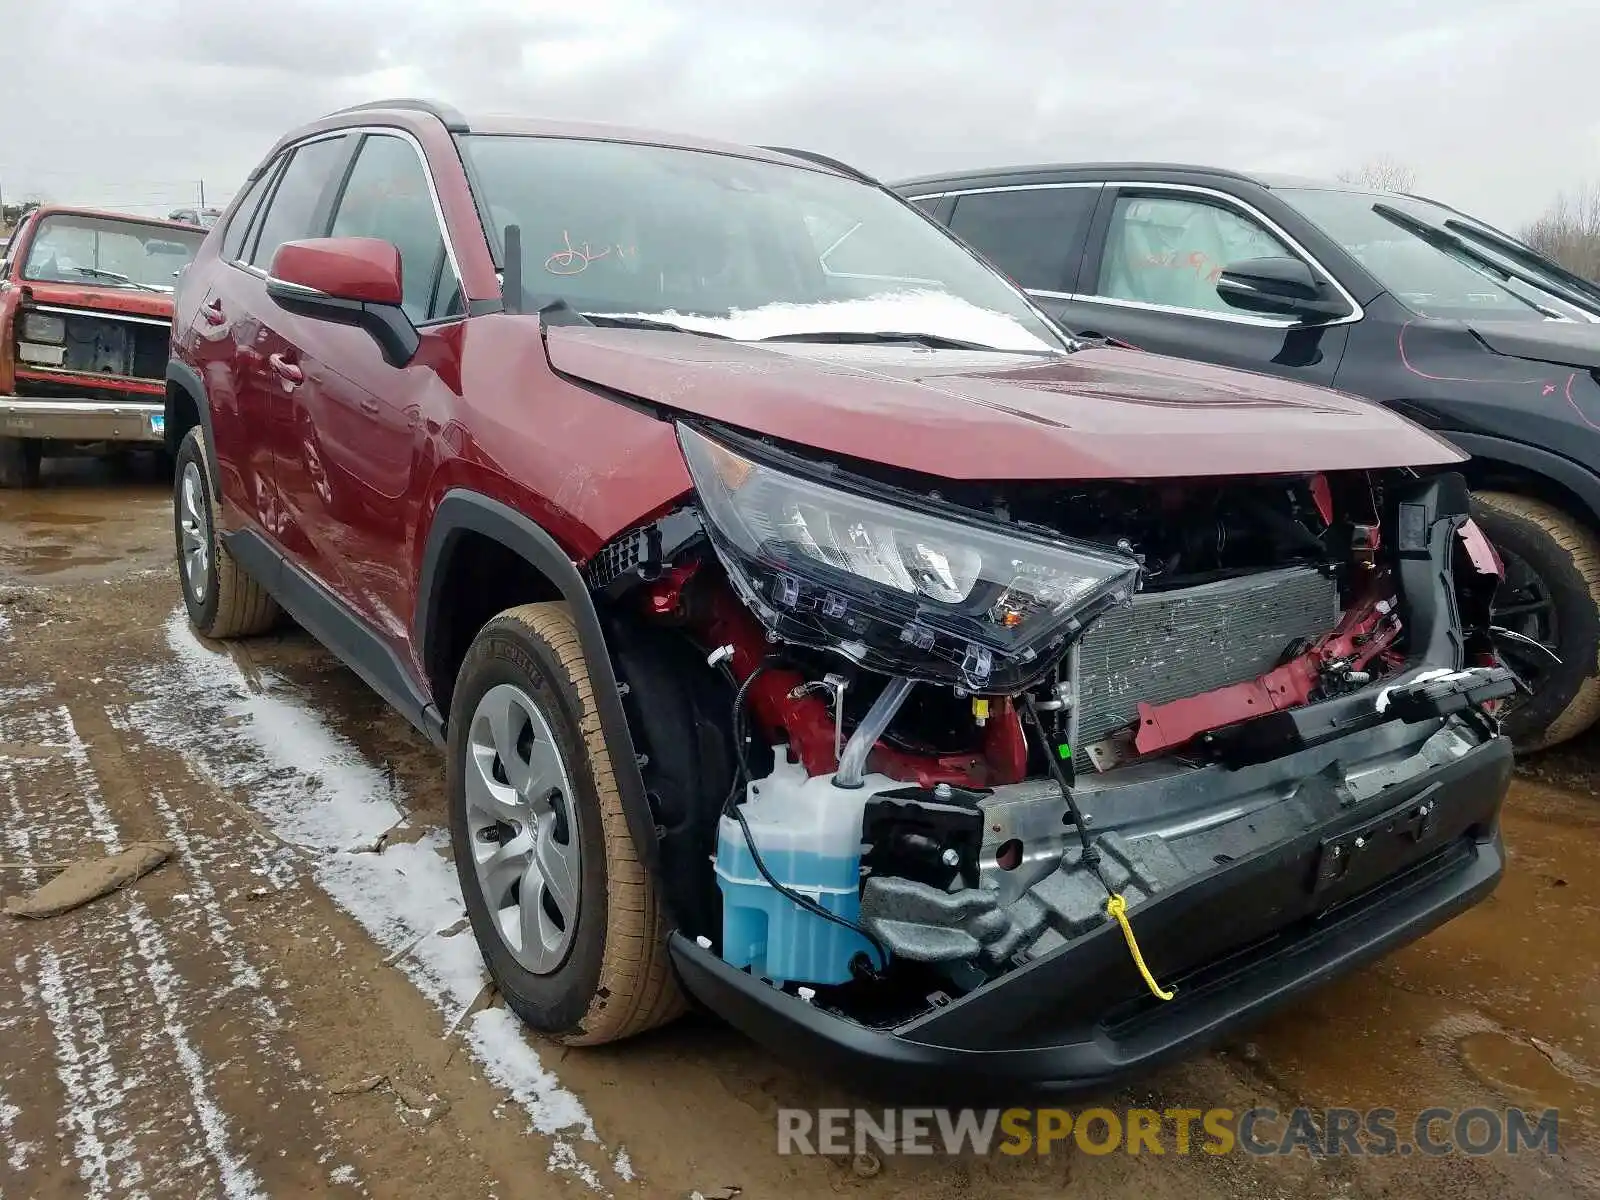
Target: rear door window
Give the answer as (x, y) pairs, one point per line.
(1033, 234)
(294, 208)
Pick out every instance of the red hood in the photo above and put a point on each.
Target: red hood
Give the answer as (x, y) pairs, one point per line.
(131, 301)
(1096, 414)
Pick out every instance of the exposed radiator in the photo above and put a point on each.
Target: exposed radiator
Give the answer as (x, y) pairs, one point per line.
(1169, 645)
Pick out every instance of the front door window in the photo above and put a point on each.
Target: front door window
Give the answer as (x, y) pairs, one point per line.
(1171, 250)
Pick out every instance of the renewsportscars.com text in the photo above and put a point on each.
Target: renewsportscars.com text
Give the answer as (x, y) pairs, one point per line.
(1319, 1132)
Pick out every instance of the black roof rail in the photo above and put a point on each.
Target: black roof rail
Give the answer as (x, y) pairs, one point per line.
(823, 160)
(450, 117)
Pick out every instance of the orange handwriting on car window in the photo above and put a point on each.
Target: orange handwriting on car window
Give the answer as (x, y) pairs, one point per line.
(571, 260)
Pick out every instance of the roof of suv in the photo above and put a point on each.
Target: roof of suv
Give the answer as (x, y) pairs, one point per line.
(1110, 170)
(410, 110)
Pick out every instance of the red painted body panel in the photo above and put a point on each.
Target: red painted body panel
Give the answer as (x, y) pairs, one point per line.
(1362, 635)
(351, 268)
(1096, 414)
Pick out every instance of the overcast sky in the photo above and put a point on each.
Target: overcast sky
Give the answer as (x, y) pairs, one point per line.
(1491, 102)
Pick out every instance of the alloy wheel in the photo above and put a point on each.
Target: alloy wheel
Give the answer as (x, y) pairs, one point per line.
(196, 547)
(523, 834)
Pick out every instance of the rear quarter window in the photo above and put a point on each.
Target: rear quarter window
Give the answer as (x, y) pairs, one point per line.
(245, 214)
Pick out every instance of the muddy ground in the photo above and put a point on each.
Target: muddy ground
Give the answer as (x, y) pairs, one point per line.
(291, 1006)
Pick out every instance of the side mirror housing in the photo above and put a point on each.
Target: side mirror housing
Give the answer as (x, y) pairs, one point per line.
(1280, 286)
(350, 281)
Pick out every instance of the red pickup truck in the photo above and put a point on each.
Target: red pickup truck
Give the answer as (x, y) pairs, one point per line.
(85, 321)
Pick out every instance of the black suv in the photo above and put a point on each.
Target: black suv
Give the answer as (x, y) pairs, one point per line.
(1391, 297)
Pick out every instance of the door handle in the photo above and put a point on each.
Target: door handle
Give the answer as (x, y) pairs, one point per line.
(285, 370)
(212, 313)
(369, 405)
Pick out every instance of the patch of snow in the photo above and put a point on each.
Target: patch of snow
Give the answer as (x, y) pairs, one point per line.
(337, 798)
(238, 1180)
(319, 793)
(203, 900)
(74, 1065)
(918, 310)
(564, 1158)
(342, 1174)
(623, 1166)
(18, 1151)
(495, 1035)
(88, 784)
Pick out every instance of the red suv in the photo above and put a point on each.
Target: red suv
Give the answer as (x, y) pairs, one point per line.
(813, 628)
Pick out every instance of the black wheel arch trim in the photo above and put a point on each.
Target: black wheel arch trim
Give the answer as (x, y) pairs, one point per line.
(463, 512)
(187, 378)
(1579, 480)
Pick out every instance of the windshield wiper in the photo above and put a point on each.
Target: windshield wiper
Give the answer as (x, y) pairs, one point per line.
(1450, 243)
(933, 341)
(649, 323)
(1565, 282)
(97, 273)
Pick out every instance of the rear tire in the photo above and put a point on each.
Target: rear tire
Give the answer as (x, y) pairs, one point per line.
(223, 601)
(601, 973)
(19, 462)
(1552, 576)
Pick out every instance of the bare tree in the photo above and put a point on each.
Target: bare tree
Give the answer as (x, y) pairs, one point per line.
(1569, 231)
(1383, 174)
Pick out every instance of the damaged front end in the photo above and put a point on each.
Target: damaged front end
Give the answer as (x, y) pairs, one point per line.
(1038, 783)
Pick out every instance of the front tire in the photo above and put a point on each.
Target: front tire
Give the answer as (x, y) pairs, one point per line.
(566, 915)
(223, 601)
(1551, 593)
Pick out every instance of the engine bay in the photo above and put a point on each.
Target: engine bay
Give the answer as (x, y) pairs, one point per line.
(880, 840)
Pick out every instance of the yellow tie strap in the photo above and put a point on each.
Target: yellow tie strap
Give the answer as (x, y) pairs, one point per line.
(1117, 909)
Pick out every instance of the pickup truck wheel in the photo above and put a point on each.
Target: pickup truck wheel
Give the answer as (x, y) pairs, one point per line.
(1551, 593)
(19, 463)
(222, 600)
(567, 917)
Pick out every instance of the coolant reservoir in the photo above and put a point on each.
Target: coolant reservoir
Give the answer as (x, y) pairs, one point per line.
(809, 835)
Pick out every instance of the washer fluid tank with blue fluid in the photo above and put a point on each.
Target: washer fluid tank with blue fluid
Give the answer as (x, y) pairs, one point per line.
(809, 833)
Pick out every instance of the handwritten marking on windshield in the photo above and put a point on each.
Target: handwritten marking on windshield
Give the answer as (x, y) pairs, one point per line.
(574, 260)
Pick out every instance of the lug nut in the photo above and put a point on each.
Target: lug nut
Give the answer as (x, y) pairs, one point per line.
(950, 858)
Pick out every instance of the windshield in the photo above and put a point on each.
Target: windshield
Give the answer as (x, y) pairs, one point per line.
(742, 248)
(1447, 271)
(68, 248)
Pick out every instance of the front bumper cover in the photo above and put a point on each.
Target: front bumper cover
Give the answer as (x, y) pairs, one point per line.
(82, 420)
(1237, 942)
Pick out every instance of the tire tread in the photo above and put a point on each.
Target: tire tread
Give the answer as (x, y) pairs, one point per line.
(637, 989)
(1583, 710)
(243, 607)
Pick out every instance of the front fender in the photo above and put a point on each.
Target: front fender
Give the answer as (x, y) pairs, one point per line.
(1577, 479)
(463, 512)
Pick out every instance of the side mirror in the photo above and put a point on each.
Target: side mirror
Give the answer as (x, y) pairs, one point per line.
(1280, 286)
(350, 281)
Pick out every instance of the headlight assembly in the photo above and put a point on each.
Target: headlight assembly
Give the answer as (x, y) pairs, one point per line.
(893, 584)
(44, 327)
